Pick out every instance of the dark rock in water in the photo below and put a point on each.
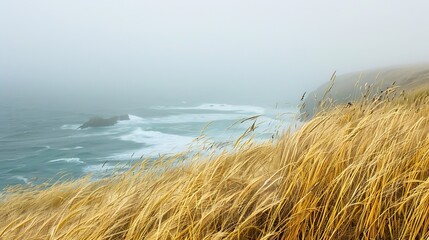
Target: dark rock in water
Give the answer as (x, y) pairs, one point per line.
(99, 122)
(103, 122)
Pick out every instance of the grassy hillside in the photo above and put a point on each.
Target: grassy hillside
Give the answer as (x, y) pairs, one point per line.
(359, 171)
(354, 86)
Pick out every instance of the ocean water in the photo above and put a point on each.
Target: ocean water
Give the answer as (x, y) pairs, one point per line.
(39, 145)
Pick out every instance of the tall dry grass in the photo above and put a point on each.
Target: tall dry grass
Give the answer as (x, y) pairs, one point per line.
(359, 171)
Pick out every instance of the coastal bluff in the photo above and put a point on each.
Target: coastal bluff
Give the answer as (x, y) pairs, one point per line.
(347, 88)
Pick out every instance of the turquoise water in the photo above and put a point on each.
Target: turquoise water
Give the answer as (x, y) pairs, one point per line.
(39, 145)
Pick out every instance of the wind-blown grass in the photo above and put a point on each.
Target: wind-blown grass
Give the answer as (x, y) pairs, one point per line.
(356, 171)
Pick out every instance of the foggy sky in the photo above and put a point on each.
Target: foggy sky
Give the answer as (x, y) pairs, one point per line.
(120, 53)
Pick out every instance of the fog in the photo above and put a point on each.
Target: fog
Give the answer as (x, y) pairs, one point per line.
(104, 53)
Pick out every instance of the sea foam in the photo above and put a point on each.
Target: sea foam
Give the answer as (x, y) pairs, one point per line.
(71, 148)
(69, 160)
(157, 142)
(220, 107)
(21, 178)
(196, 118)
(70, 127)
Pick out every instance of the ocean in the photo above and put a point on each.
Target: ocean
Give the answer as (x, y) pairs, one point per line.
(37, 146)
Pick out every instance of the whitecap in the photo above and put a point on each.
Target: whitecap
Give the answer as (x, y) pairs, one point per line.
(21, 178)
(69, 160)
(196, 118)
(44, 148)
(127, 124)
(73, 148)
(134, 118)
(157, 143)
(70, 127)
(220, 107)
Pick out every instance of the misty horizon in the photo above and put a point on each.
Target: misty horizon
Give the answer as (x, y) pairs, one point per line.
(117, 54)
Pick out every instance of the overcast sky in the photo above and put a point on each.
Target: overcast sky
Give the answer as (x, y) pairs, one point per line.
(106, 52)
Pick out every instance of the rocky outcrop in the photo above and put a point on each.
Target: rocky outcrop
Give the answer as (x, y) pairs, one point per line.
(103, 122)
(345, 89)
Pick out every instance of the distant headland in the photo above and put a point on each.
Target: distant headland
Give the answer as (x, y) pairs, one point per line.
(350, 87)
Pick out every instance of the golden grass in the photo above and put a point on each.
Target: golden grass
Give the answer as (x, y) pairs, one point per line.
(350, 87)
(356, 172)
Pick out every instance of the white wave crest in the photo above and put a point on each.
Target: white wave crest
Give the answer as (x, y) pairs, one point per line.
(157, 143)
(196, 118)
(21, 178)
(134, 120)
(69, 160)
(221, 107)
(73, 148)
(70, 127)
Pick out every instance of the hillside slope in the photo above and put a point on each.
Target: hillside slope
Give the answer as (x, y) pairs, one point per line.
(353, 86)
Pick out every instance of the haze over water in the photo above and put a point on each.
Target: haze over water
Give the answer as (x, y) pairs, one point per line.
(115, 54)
(62, 62)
